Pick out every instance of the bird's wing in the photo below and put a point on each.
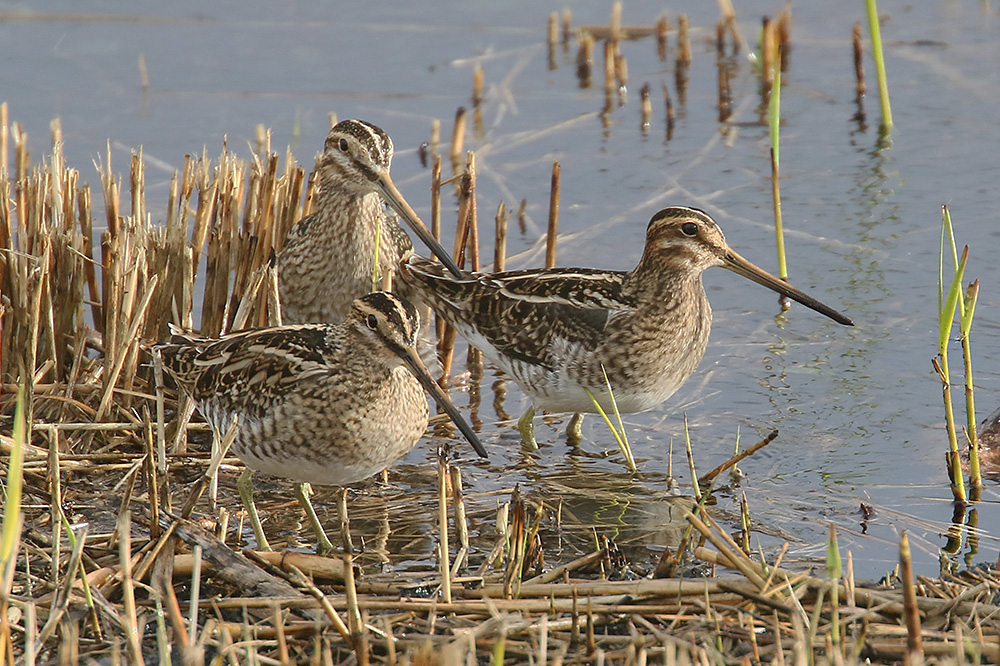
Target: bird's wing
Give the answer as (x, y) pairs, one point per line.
(528, 315)
(248, 369)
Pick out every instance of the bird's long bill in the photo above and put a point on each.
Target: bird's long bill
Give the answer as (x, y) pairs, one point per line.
(738, 264)
(412, 359)
(396, 200)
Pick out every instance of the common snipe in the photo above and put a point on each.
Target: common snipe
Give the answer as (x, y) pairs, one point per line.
(327, 259)
(316, 403)
(557, 331)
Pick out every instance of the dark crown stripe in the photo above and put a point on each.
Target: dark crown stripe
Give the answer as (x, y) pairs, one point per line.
(675, 212)
(370, 136)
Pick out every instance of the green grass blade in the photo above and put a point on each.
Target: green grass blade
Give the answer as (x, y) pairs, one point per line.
(11, 529)
(947, 318)
(619, 435)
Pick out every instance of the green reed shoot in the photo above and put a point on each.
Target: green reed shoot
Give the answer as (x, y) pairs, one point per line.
(619, 432)
(883, 84)
(774, 120)
(11, 529)
(948, 304)
(966, 306)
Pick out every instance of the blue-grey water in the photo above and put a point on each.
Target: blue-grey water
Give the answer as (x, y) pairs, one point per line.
(858, 409)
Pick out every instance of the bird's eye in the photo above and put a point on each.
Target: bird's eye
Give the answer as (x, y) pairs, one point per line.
(689, 229)
(372, 322)
(343, 145)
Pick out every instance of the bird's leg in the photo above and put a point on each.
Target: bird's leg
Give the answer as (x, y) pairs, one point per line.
(245, 486)
(574, 429)
(323, 545)
(350, 591)
(527, 430)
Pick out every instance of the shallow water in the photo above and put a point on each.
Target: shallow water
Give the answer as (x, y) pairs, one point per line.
(858, 410)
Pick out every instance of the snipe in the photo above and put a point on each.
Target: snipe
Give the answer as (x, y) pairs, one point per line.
(557, 331)
(316, 403)
(328, 256)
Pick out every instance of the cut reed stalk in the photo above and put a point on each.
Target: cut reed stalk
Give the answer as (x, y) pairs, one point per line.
(553, 226)
(911, 612)
(683, 60)
(500, 240)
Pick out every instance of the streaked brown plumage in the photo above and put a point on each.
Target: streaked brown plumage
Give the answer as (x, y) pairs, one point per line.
(326, 261)
(557, 331)
(317, 403)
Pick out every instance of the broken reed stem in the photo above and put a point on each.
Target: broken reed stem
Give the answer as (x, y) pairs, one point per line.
(550, 237)
(768, 49)
(706, 479)
(883, 84)
(444, 552)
